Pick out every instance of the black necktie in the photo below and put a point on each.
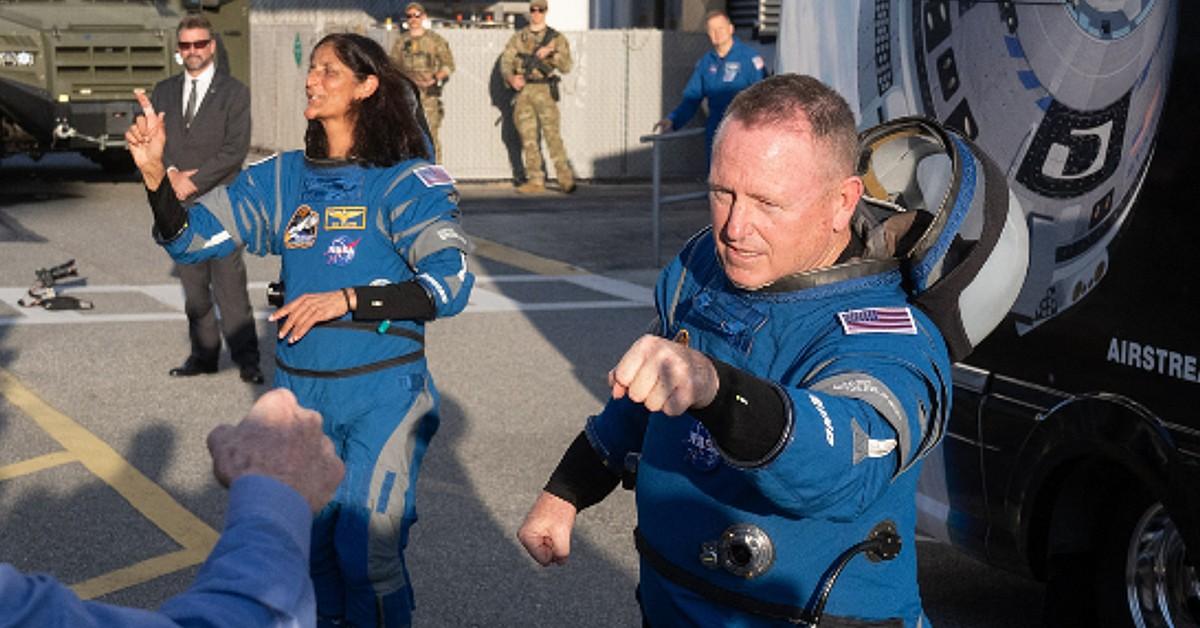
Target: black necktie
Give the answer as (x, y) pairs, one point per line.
(190, 112)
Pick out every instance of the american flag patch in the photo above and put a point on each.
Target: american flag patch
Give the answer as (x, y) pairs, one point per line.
(878, 320)
(433, 175)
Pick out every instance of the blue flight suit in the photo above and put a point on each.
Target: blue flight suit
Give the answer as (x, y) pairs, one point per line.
(866, 379)
(336, 225)
(255, 576)
(718, 80)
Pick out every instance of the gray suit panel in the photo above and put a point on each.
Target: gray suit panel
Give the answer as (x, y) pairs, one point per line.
(215, 145)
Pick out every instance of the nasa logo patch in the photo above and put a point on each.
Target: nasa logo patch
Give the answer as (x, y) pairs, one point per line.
(341, 251)
(699, 450)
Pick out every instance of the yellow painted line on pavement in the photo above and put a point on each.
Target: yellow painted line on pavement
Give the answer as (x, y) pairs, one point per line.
(33, 465)
(148, 498)
(138, 573)
(521, 259)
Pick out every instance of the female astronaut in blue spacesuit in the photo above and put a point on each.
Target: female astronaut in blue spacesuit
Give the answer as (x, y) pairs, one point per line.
(367, 229)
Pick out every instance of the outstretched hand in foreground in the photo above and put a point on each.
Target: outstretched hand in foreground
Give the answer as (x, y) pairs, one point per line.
(281, 440)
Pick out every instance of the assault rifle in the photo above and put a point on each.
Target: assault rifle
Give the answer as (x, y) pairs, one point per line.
(531, 62)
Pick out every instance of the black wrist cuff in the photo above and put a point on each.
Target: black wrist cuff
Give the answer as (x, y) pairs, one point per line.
(398, 301)
(581, 478)
(170, 219)
(748, 419)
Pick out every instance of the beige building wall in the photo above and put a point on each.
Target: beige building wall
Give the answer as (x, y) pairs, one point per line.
(622, 83)
(692, 13)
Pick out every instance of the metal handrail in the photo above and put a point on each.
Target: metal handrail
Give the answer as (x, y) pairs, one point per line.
(657, 199)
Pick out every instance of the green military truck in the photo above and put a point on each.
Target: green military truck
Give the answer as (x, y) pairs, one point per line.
(68, 69)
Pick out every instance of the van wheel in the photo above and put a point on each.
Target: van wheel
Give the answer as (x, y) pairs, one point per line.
(1160, 587)
(1137, 575)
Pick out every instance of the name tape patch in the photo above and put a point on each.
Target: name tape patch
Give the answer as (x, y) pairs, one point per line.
(345, 218)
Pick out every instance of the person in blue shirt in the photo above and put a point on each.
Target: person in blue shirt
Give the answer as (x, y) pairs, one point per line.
(779, 411)
(280, 469)
(727, 69)
(367, 229)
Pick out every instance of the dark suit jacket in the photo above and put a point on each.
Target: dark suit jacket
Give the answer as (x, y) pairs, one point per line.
(217, 141)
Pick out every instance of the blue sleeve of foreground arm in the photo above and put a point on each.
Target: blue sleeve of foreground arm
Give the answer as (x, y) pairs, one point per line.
(620, 428)
(257, 575)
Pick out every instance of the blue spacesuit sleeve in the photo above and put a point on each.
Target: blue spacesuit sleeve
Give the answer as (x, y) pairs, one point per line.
(856, 426)
(621, 426)
(257, 575)
(424, 227)
(244, 212)
(693, 93)
(617, 431)
(261, 559)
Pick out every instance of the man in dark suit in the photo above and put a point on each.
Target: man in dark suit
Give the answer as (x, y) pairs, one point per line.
(207, 118)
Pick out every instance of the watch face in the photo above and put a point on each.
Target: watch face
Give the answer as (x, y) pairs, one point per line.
(1064, 96)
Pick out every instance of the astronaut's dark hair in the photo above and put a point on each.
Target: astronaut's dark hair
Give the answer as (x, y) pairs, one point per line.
(387, 124)
(781, 100)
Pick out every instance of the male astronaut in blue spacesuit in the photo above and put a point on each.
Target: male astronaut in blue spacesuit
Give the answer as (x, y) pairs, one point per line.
(781, 410)
(719, 75)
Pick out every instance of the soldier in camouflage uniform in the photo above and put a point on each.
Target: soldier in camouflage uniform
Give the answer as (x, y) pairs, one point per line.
(529, 64)
(425, 57)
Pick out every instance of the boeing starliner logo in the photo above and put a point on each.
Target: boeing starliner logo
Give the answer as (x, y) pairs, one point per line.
(820, 406)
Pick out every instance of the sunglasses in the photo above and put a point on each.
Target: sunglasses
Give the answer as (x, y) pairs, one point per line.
(536, 10)
(412, 15)
(198, 44)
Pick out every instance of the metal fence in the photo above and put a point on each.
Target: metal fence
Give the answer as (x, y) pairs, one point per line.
(622, 83)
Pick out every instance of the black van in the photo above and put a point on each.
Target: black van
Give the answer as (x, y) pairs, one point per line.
(1073, 451)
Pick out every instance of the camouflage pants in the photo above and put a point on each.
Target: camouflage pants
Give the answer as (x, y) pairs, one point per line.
(534, 105)
(433, 115)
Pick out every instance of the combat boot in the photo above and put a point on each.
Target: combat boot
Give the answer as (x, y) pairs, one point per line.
(531, 187)
(566, 181)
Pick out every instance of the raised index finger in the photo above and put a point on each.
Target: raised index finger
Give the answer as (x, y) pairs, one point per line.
(147, 106)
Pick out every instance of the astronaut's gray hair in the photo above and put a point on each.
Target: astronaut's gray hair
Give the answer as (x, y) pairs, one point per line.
(801, 103)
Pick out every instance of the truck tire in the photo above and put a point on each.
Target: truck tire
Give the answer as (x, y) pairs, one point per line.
(1136, 574)
(113, 160)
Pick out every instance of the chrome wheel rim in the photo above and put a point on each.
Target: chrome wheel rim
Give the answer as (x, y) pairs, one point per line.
(1160, 586)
